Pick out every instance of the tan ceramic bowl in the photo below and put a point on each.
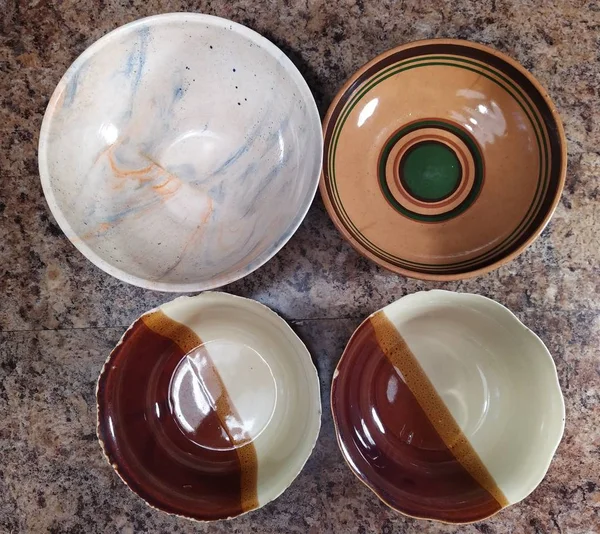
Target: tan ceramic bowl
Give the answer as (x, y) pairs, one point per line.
(444, 159)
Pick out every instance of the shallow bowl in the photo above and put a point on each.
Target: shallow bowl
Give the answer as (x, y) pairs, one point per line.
(444, 159)
(180, 152)
(209, 406)
(447, 406)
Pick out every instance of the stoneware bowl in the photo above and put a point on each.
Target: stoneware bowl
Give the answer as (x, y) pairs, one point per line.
(447, 407)
(209, 406)
(443, 159)
(180, 152)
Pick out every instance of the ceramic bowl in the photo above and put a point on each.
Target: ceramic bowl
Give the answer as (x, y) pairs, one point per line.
(180, 152)
(209, 406)
(447, 407)
(444, 159)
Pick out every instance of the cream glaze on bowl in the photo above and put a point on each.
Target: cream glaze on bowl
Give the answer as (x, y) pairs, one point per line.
(447, 406)
(180, 152)
(209, 406)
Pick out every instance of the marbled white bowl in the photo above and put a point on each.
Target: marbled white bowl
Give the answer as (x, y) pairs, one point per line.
(180, 152)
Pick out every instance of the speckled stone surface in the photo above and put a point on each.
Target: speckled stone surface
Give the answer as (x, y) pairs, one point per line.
(60, 316)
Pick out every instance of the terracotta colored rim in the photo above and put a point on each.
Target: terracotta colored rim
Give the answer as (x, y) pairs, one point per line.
(543, 205)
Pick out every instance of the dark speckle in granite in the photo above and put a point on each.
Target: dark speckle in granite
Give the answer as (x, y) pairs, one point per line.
(60, 315)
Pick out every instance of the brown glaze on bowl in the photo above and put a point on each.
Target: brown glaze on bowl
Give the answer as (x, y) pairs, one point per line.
(413, 470)
(161, 463)
(444, 159)
(447, 407)
(195, 399)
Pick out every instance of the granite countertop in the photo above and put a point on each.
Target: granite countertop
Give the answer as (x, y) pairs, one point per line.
(60, 316)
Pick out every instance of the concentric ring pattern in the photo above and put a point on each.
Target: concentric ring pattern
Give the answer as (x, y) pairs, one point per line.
(443, 159)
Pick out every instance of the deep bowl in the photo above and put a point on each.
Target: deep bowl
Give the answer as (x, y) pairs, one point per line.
(180, 152)
(443, 159)
(209, 406)
(447, 406)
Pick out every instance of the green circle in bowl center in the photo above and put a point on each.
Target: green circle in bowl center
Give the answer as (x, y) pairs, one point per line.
(430, 171)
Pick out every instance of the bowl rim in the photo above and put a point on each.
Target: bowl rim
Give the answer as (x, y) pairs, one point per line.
(468, 273)
(43, 157)
(526, 331)
(235, 299)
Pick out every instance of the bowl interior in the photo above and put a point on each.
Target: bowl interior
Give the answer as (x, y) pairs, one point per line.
(209, 407)
(447, 407)
(180, 151)
(442, 159)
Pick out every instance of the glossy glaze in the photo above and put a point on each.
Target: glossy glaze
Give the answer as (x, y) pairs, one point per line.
(208, 407)
(443, 159)
(447, 407)
(180, 152)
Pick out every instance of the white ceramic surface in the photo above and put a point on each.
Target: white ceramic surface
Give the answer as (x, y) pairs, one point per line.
(180, 152)
(495, 376)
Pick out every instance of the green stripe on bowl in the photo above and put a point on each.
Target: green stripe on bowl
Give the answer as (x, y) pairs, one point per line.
(468, 65)
(442, 125)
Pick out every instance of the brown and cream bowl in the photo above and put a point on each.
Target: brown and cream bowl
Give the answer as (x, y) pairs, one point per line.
(209, 406)
(443, 159)
(447, 406)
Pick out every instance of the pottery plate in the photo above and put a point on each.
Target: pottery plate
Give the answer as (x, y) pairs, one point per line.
(443, 159)
(209, 406)
(447, 407)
